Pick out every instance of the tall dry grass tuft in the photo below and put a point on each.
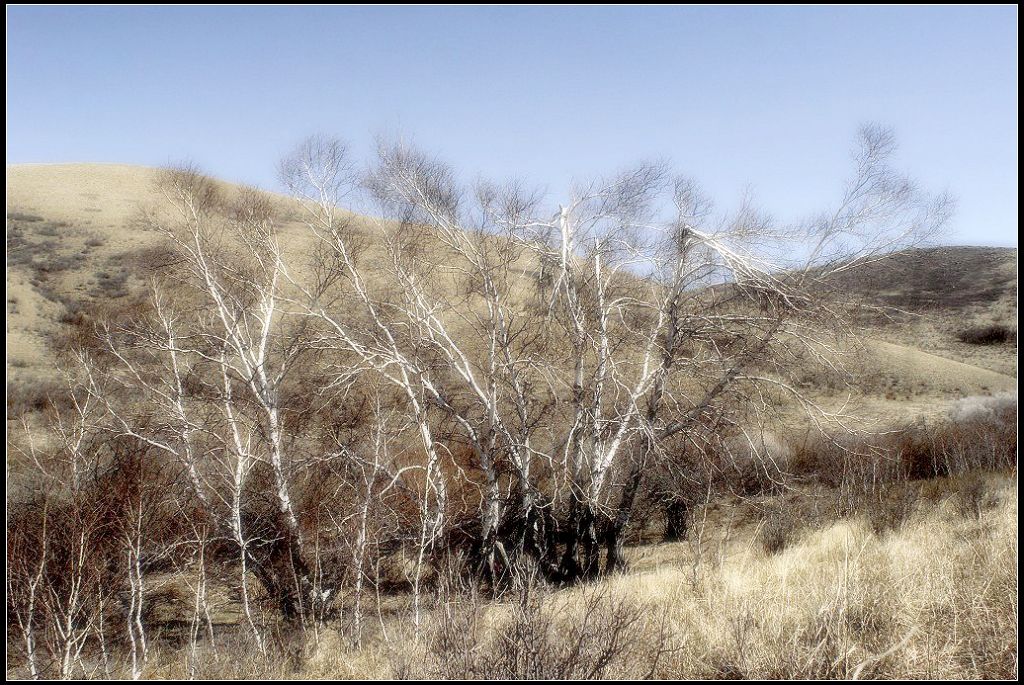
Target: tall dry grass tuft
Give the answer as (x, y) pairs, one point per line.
(536, 633)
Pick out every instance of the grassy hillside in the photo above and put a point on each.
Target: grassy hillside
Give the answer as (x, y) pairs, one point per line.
(933, 299)
(75, 242)
(72, 240)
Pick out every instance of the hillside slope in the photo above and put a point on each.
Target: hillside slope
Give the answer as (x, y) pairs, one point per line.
(71, 239)
(931, 297)
(74, 240)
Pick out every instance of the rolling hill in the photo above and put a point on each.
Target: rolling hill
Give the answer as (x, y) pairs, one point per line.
(74, 240)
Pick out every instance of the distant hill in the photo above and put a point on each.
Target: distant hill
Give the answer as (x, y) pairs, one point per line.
(937, 279)
(942, 300)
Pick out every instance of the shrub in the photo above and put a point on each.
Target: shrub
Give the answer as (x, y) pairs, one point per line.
(756, 464)
(22, 216)
(32, 395)
(543, 635)
(892, 508)
(983, 407)
(777, 529)
(991, 334)
(980, 434)
(975, 497)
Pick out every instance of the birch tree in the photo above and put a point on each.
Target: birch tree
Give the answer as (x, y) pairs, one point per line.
(629, 322)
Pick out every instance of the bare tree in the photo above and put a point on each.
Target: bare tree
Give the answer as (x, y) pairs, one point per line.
(203, 371)
(629, 324)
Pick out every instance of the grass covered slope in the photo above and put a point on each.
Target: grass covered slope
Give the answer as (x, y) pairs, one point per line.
(72, 241)
(943, 300)
(75, 244)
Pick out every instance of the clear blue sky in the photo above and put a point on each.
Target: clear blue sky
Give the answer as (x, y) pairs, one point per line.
(766, 98)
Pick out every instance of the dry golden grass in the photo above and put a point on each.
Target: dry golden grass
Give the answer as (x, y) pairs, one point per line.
(907, 374)
(76, 239)
(936, 598)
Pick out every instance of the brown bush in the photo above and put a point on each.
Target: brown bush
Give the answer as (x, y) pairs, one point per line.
(778, 528)
(543, 635)
(984, 439)
(974, 497)
(24, 396)
(66, 551)
(992, 334)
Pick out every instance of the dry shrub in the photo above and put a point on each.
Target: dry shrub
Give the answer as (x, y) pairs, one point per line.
(892, 508)
(543, 635)
(756, 464)
(983, 408)
(884, 478)
(68, 577)
(233, 655)
(778, 528)
(979, 435)
(991, 334)
(974, 497)
(785, 520)
(25, 396)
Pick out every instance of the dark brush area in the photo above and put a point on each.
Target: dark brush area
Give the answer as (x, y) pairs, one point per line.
(931, 279)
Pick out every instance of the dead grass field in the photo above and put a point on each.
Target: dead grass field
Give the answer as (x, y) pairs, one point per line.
(934, 295)
(934, 597)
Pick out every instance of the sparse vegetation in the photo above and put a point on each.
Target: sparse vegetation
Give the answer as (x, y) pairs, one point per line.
(537, 634)
(491, 411)
(22, 217)
(837, 601)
